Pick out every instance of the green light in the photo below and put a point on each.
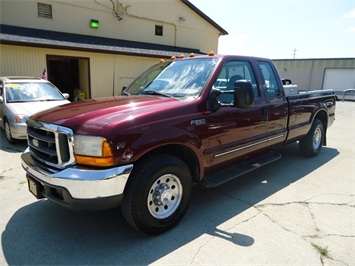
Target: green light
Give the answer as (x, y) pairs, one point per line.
(94, 24)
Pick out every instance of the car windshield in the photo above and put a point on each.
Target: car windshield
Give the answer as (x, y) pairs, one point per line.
(32, 92)
(179, 78)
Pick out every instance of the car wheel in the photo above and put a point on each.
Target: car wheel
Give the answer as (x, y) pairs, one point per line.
(8, 134)
(157, 194)
(311, 144)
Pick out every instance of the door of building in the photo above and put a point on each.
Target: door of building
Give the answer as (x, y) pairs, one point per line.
(70, 75)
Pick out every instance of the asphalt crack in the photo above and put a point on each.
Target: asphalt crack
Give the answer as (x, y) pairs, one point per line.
(319, 227)
(319, 233)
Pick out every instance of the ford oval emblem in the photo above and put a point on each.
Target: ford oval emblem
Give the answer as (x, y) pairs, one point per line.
(35, 142)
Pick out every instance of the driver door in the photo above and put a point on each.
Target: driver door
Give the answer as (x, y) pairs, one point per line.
(236, 132)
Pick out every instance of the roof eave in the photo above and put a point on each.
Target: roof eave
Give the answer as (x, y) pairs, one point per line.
(12, 35)
(205, 17)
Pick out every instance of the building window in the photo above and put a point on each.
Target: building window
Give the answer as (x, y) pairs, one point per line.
(44, 11)
(158, 30)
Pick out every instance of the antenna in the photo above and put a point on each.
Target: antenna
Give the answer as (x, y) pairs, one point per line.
(294, 53)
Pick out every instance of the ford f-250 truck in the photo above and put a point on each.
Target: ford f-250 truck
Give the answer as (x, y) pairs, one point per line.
(199, 120)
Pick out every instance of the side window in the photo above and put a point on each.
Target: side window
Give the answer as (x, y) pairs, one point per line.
(231, 72)
(271, 85)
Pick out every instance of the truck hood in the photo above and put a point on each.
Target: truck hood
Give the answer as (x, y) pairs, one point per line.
(90, 116)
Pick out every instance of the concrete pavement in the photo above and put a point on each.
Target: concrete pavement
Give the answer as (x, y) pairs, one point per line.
(296, 211)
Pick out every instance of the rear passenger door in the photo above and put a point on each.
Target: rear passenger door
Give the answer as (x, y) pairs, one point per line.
(275, 107)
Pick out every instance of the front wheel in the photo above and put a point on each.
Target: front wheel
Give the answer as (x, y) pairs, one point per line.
(157, 194)
(8, 133)
(311, 144)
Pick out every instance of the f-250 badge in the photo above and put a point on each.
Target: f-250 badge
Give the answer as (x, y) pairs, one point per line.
(198, 122)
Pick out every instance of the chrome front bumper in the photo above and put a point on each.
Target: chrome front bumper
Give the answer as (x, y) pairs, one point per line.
(81, 184)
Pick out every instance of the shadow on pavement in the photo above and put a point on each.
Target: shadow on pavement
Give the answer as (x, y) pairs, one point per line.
(43, 233)
(19, 146)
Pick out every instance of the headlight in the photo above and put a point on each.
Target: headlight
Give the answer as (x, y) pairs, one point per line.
(93, 150)
(20, 118)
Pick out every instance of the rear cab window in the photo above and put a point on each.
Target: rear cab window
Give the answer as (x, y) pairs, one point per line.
(270, 85)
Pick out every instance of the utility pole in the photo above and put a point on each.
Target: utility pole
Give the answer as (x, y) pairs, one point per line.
(294, 53)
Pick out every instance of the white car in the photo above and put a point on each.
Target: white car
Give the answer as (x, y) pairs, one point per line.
(20, 97)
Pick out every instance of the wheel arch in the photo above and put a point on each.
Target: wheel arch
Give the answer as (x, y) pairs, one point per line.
(3, 120)
(182, 152)
(323, 117)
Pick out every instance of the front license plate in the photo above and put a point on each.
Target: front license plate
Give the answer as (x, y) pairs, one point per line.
(33, 188)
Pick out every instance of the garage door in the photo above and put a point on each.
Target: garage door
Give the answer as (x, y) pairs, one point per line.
(339, 79)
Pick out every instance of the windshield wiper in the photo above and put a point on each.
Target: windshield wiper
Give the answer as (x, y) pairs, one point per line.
(45, 100)
(149, 92)
(16, 101)
(178, 95)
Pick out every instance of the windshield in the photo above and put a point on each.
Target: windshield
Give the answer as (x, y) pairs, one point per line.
(180, 78)
(32, 92)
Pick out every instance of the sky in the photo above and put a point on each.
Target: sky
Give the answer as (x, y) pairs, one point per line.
(286, 29)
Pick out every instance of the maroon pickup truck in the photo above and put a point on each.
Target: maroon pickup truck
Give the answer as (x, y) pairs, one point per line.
(200, 120)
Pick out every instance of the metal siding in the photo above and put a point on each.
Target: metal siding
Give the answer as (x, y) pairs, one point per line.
(20, 60)
(127, 68)
(101, 70)
(308, 74)
(316, 79)
(298, 72)
(29, 61)
(111, 72)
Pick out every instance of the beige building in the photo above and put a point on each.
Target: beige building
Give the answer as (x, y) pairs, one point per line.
(98, 46)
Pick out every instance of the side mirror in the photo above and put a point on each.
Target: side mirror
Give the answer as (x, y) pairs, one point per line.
(66, 95)
(243, 94)
(213, 103)
(1, 99)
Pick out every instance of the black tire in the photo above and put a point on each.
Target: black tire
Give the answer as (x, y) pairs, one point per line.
(157, 194)
(311, 144)
(8, 133)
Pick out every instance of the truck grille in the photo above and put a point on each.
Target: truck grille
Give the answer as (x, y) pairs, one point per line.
(51, 145)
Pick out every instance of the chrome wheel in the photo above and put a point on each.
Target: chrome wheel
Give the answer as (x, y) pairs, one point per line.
(157, 194)
(311, 144)
(164, 196)
(317, 138)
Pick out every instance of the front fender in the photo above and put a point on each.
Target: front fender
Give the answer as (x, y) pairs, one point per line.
(159, 138)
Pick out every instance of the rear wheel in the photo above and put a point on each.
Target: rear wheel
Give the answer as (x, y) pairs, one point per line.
(311, 144)
(157, 194)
